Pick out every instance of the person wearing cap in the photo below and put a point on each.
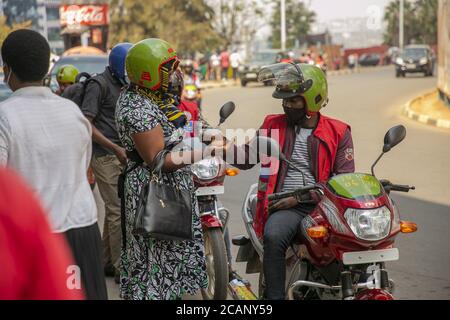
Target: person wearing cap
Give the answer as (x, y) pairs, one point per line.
(319, 145)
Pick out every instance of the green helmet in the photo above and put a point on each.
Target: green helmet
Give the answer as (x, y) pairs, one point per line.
(147, 63)
(67, 74)
(291, 80)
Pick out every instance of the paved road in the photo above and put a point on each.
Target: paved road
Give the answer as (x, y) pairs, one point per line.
(370, 102)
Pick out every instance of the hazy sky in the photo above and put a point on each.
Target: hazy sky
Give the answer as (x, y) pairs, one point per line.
(335, 9)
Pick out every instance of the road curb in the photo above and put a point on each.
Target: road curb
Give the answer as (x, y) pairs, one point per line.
(424, 118)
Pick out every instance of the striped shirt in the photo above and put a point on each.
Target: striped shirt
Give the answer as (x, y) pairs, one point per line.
(300, 158)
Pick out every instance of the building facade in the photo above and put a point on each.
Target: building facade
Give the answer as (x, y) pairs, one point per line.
(43, 14)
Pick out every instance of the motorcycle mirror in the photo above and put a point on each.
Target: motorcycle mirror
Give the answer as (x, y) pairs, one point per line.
(393, 137)
(226, 110)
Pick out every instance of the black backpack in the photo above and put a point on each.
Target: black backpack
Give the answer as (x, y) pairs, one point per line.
(76, 91)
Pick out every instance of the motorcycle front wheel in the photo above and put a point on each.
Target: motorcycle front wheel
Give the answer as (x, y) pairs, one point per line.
(216, 265)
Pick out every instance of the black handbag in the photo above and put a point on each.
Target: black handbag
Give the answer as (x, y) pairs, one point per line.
(164, 212)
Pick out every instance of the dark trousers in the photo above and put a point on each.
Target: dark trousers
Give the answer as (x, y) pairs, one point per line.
(86, 246)
(279, 232)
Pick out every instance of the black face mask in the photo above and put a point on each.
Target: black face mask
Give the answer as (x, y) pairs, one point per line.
(294, 117)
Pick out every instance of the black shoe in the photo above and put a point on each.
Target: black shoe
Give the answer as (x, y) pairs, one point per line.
(109, 270)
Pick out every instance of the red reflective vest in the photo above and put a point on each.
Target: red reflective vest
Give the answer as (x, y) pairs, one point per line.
(325, 139)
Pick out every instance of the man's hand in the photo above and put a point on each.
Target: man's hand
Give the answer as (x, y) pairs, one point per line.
(120, 154)
(218, 148)
(283, 204)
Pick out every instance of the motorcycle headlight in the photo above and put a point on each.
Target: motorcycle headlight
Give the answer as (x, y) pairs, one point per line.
(399, 61)
(206, 169)
(191, 94)
(371, 225)
(424, 61)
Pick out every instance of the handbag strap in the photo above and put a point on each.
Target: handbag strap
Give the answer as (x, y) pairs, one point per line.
(158, 161)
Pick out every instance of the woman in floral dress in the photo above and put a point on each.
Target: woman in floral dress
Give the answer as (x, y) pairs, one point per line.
(150, 268)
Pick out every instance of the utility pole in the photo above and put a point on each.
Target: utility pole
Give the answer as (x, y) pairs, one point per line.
(283, 25)
(402, 25)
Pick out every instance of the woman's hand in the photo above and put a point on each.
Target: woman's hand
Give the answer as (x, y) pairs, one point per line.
(283, 204)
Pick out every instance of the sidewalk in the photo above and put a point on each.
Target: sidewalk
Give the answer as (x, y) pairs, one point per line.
(429, 109)
(232, 83)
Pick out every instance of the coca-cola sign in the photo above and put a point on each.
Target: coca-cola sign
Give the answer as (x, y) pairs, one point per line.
(84, 15)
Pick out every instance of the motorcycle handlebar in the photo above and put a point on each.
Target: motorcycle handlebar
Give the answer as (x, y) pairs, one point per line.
(401, 188)
(389, 186)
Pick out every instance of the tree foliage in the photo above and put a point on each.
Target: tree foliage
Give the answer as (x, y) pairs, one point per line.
(186, 24)
(299, 19)
(420, 22)
(237, 21)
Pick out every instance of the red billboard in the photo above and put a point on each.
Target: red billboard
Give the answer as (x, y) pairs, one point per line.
(88, 15)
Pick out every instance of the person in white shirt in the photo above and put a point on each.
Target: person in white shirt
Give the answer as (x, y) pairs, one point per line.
(47, 140)
(235, 61)
(215, 65)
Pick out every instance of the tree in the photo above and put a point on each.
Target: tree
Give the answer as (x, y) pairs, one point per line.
(238, 21)
(298, 23)
(420, 22)
(427, 11)
(187, 26)
(5, 29)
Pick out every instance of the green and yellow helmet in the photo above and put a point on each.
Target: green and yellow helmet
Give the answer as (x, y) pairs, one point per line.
(293, 80)
(67, 74)
(149, 62)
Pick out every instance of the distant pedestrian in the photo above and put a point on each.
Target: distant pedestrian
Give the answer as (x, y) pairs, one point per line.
(352, 61)
(235, 61)
(215, 65)
(224, 63)
(47, 140)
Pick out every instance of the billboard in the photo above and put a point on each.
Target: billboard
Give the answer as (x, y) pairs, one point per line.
(88, 15)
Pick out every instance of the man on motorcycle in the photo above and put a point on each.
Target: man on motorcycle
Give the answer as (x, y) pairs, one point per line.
(65, 77)
(191, 78)
(318, 145)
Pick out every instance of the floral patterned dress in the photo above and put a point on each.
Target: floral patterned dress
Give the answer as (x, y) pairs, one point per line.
(155, 269)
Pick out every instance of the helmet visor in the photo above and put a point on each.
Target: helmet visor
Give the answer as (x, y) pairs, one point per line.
(287, 77)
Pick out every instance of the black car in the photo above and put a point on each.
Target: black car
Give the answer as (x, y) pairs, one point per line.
(369, 60)
(415, 59)
(249, 71)
(84, 63)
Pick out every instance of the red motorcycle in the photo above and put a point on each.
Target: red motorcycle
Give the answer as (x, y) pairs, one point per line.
(343, 245)
(209, 177)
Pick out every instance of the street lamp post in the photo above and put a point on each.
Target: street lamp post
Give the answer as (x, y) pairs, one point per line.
(402, 24)
(283, 25)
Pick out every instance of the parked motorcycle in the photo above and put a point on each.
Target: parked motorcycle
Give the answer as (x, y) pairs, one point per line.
(209, 177)
(343, 245)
